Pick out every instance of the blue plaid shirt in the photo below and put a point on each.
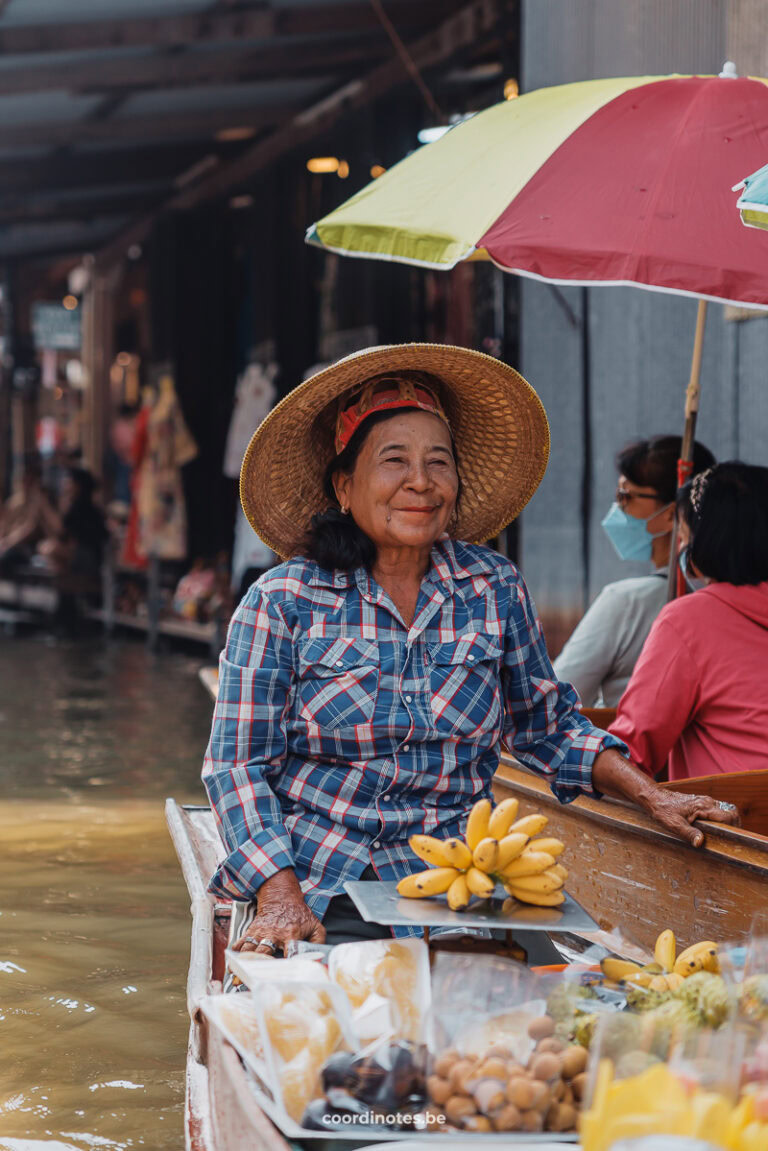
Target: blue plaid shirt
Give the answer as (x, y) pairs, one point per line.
(339, 732)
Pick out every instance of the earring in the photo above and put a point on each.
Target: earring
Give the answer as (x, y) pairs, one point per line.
(344, 511)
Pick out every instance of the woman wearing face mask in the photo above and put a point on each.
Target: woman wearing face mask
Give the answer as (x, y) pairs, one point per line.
(599, 657)
(698, 698)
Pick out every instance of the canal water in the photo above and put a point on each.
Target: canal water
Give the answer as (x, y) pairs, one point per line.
(94, 915)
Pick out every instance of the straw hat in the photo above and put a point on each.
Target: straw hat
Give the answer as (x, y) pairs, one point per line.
(498, 423)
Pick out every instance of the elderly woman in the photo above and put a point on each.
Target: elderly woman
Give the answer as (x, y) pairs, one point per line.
(368, 683)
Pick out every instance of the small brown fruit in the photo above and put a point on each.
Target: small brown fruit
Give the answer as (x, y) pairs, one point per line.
(567, 1117)
(558, 1090)
(546, 1067)
(550, 1044)
(458, 1107)
(445, 1062)
(579, 1085)
(508, 1119)
(531, 1121)
(439, 1089)
(477, 1123)
(498, 1051)
(494, 1068)
(458, 1074)
(520, 1092)
(575, 1061)
(541, 1028)
(542, 1096)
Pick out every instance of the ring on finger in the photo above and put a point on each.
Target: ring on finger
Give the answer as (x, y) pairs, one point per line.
(726, 806)
(270, 943)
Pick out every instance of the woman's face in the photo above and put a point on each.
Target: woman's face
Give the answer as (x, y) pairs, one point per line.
(402, 492)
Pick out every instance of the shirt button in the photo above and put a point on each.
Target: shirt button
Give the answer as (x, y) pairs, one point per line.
(385, 799)
(339, 663)
(297, 808)
(376, 843)
(408, 698)
(406, 747)
(470, 658)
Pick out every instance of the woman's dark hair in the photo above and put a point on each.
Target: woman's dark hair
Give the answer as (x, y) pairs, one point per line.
(652, 463)
(334, 541)
(727, 513)
(85, 483)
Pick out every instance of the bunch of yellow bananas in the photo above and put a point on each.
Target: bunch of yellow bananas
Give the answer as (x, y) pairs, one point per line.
(497, 848)
(669, 969)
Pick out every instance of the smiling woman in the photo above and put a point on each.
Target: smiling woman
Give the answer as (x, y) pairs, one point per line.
(369, 682)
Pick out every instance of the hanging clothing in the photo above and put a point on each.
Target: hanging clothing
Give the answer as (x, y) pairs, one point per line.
(254, 398)
(132, 555)
(162, 511)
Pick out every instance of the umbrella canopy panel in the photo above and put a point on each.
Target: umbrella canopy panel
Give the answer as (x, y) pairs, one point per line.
(605, 181)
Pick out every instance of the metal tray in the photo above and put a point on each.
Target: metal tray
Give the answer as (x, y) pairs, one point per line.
(378, 902)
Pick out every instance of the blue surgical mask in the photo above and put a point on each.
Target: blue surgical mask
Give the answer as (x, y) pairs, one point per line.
(628, 534)
(695, 583)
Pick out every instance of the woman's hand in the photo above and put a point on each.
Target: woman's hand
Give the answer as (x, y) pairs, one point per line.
(614, 775)
(282, 917)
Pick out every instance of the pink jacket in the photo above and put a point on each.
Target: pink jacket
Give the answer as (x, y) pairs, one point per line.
(698, 696)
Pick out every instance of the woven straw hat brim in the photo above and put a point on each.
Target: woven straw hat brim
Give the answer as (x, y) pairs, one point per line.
(498, 423)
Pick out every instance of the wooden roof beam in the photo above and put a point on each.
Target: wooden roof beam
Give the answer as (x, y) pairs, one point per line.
(251, 21)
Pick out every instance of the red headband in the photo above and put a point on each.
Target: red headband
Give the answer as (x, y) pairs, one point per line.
(384, 393)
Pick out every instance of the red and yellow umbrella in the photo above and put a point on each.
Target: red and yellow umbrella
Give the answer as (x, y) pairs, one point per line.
(620, 181)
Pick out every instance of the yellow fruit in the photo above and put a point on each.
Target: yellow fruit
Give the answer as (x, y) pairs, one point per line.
(529, 863)
(641, 979)
(485, 855)
(510, 848)
(459, 894)
(545, 882)
(659, 983)
(530, 824)
(617, 969)
(665, 950)
(538, 898)
(434, 881)
(457, 854)
(552, 846)
(558, 869)
(430, 849)
(673, 981)
(502, 817)
(695, 957)
(479, 883)
(477, 823)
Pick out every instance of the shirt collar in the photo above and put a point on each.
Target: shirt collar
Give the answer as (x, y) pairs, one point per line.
(446, 568)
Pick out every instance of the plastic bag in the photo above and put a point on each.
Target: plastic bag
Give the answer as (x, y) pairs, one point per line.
(302, 1026)
(495, 1063)
(387, 983)
(252, 969)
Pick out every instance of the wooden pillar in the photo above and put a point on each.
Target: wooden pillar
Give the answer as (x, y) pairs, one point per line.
(97, 354)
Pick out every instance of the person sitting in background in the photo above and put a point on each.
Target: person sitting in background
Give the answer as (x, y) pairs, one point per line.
(698, 697)
(599, 657)
(27, 519)
(77, 553)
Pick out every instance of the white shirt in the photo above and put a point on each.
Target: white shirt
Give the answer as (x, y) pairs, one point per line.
(600, 656)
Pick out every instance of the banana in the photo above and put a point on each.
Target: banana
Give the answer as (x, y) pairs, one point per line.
(530, 824)
(674, 981)
(479, 883)
(529, 863)
(502, 818)
(665, 950)
(477, 823)
(459, 894)
(510, 847)
(551, 846)
(558, 869)
(434, 881)
(617, 969)
(642, 979)
(699, 957)
(431, 850)
(457, 854)
(659, 983)
(538, 898)
(485, 856)
(544, 882)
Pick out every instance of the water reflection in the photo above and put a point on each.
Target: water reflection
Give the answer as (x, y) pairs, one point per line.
(94, 917)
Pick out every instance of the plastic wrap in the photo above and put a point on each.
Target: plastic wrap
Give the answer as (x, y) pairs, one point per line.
(252, 969)
(387, 983)
(495, 1062)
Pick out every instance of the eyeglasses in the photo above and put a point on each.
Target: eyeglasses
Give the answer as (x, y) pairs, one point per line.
(625, 496)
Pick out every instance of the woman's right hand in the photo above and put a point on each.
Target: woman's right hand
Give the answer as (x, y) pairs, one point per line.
(282, 917)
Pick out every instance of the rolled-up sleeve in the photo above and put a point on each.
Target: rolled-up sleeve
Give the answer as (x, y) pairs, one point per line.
(543, 727)
(247, 744)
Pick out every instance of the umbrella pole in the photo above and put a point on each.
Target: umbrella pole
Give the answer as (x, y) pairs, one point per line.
(685, 463)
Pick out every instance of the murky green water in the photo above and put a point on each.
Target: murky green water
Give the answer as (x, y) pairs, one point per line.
(94, 916)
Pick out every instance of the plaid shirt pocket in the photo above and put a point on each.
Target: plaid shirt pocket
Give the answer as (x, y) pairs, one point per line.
(465, 691)
(338, 681)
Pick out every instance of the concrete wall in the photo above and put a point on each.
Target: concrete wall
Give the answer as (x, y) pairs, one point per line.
(639, 343)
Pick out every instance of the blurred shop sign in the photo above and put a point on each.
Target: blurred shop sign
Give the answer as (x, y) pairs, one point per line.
(54, 326)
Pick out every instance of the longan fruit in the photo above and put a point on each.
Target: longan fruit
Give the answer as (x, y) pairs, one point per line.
(459, 1072)
(494, 1068)
(439, 1089)
(579, 1085)
(550, 1044)
(541, 1028)
(520, 1092)
(508, 1119)
(446, 1061)
(489, 1095)
(546, 1067)
(531, 1121)
(458, 1107)
(542, 1095)
(575, 1061)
